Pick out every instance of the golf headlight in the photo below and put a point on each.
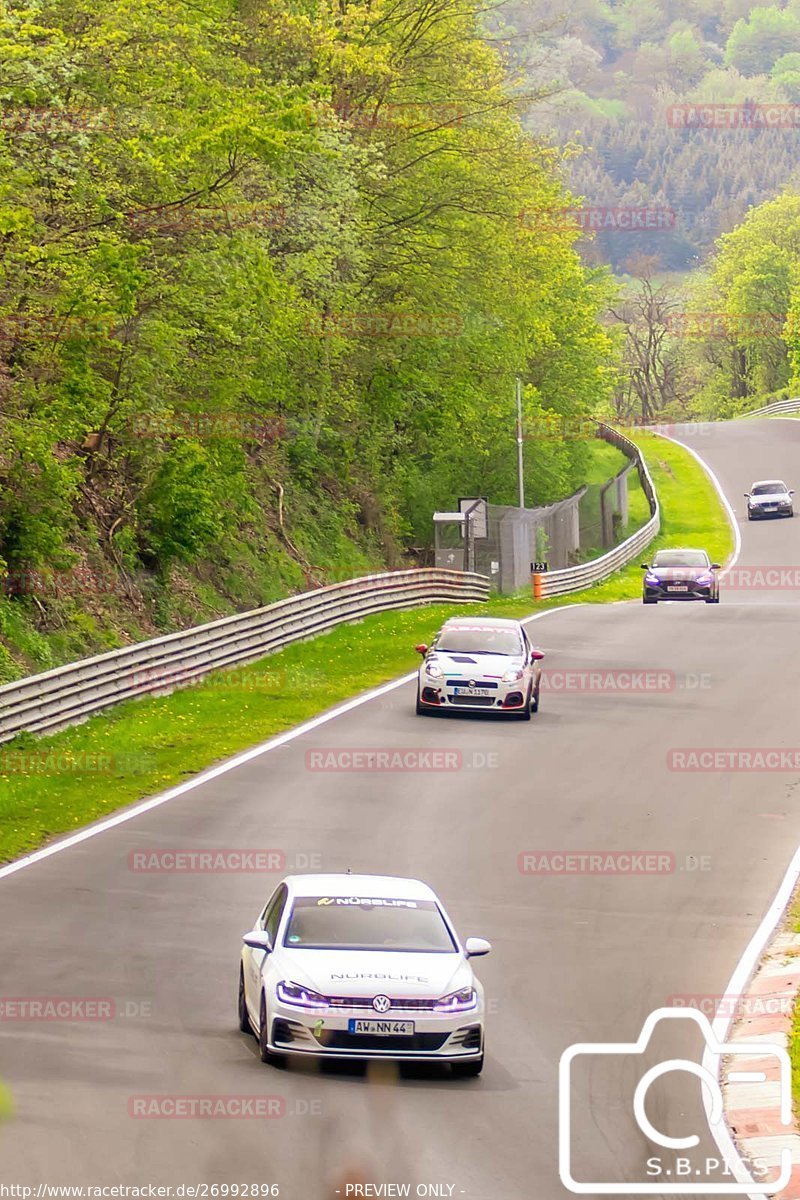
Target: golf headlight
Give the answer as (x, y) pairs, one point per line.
(300, 997)
(433, 670)
(651, 580)
(513, 674)
(461, 1001)
(704, 580)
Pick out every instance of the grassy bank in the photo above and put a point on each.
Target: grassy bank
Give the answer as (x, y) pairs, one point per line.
(54, 785)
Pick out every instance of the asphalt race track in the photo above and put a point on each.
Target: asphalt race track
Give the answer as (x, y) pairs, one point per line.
(576, 957)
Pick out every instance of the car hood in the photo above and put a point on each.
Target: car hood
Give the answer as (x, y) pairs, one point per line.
(678, 574)
(368, 973)
(462, 665)
(771, 498)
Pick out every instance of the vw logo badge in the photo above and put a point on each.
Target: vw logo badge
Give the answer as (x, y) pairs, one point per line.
(472, 683)
(381, 1004)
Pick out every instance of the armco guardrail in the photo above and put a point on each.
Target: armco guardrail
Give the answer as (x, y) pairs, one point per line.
(58, 698)
(774, 409)
(573, 579)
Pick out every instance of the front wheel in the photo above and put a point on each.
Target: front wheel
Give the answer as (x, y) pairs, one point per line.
(244, 1019)
(467, 1070)
(535, 701)
(649, 600)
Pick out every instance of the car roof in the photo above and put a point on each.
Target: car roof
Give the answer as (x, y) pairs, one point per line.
(682, 550)
(384, 887)
(481, 623)
(763, 482)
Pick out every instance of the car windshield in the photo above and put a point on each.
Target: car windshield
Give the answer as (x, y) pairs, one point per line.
(475, 639)
(768, 489)
(364, 923)
(681, 558)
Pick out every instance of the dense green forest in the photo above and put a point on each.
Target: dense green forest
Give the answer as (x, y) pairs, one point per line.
(692, 107)
(264, 292)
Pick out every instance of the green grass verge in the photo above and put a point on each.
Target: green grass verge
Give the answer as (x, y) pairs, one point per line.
(51, 786)
(792, 925)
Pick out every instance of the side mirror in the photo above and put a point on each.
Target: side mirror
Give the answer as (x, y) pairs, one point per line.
(537, 655)
(716, 566)
(421, 648)
(258, 939)
(645, 566)
(475, 947)
(791, 491)
(747, 495)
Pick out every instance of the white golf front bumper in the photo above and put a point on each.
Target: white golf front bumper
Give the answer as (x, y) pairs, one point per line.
(442, 1037)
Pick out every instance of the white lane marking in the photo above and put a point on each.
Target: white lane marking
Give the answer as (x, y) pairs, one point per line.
(726, 504)
(738, 982)
(222, 769)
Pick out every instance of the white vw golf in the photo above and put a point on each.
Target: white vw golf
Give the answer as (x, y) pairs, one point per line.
(360, 967)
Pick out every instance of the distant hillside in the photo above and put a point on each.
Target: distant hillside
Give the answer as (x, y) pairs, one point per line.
(693, 108)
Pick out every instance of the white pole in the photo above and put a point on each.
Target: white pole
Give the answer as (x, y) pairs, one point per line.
(520, 465)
